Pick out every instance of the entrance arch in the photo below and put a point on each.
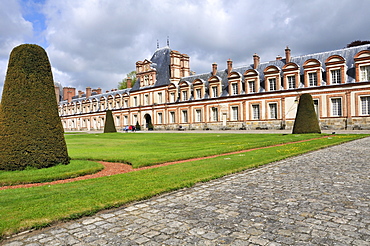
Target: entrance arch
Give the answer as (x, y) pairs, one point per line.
(148, 122)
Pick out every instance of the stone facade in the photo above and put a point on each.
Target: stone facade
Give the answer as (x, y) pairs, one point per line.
(258, 96)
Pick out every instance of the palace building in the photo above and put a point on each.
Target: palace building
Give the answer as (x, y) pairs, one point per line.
(263, 95)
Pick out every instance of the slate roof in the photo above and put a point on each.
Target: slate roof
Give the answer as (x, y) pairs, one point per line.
(161, 62)
(347, 53)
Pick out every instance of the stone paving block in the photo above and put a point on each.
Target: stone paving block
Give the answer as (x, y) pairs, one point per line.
(319, 198)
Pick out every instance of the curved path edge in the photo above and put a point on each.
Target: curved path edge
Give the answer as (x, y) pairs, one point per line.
(113, 168)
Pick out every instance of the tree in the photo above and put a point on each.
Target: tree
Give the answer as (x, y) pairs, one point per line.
(123, 84)
(357, 43)
(306, 120)
(109, 122)
(31, 133)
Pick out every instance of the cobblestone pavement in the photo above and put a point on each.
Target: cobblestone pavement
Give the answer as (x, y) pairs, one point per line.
(319, 198)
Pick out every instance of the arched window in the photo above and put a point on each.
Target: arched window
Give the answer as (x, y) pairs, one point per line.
(362, 64)
(215, 87)
(272, 78)
(235, 83)
(335, 70)
(252, 81)
(312, 73)
(291, 76)
(199, 89)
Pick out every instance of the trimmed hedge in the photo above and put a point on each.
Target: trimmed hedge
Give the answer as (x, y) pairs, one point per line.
(31, 133)
(306, 119)
(109, 122)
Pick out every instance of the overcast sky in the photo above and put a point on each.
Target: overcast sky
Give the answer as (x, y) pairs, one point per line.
(97, 42)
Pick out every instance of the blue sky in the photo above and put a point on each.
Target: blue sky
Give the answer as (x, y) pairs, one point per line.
(97, 42)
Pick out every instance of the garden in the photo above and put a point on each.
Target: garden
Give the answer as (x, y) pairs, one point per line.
(28, 208)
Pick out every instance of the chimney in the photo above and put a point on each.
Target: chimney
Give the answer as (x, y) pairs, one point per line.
(229, 67)
(278, 58)
(214, 69)
(80, 93)
(106, 91)
(128, 82)
(68, 93)
(88, 92)
(98, 91)
(256, 61)
(287, 54)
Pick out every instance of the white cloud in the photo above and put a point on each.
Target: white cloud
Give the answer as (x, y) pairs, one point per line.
(97, 42)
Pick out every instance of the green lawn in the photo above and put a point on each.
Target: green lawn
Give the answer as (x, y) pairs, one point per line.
(74, 169)
(21, 209)
(145, 149)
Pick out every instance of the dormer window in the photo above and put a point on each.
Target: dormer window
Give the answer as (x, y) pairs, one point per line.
(335, 70)
(234, 88)
(252, 86)
(198, 93)
(291, 82)
(365, 73)
(312, 78)
(184, 95)
(272, 84)
(214, 91)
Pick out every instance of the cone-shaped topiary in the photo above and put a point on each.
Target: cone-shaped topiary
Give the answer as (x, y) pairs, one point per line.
(109, 122)
(306, 120)
(31, 133)
(137, 126)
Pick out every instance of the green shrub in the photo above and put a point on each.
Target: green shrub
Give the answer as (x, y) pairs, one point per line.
(109, 122)
(31, 133)
(150, 126)
(306, 119)
(137, 126)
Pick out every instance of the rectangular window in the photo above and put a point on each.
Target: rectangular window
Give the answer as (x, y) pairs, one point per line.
(214, 91)
(312, 78)
(273, 110)
(365, 105)
(235, 113)
(117, 121)
(198, 93)
(135, 101)
(335, 76)
(252, 87)
(184, 116)
(214, 114)
(272, 84)
(256, 111)
(234, 87)
(172, 117)
(184, 95)
(135, 119)
(198, 115)
(160, 118)
(126, 103)
(160, 97)
(316, 107)
(291, 82)
(146, 98)
(172, 97)
(336, 105)
(125, 120)
(364, 73)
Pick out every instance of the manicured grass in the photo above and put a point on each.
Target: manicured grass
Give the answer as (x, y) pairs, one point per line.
(145, 149)
(22, 209)
(74, 169)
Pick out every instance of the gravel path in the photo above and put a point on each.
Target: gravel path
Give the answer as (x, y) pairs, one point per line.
(319, 198)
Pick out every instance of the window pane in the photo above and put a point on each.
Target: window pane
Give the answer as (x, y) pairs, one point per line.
(365, 105)
(256, 112)
(273, 111)
(291, 82)
(312, 77)
(335, 76)
(336, 106)
(272, 84)
(364, 73)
